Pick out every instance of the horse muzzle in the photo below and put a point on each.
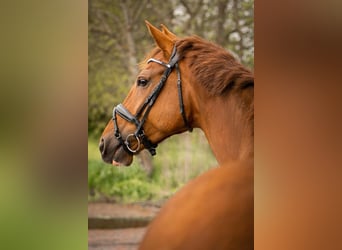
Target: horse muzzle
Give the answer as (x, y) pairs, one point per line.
(113, 152)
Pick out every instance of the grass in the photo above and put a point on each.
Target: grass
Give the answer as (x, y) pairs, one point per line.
(178, 160)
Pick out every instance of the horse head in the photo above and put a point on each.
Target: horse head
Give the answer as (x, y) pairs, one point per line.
(157, 106)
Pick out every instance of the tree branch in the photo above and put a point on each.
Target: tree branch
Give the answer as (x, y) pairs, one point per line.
(103, 21)
(188, 9)
(139, 6)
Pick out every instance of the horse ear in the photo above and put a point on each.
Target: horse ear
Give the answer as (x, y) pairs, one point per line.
(166, 31)
(162, 40)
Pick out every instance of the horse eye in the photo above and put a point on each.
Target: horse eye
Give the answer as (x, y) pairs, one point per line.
(142, 82)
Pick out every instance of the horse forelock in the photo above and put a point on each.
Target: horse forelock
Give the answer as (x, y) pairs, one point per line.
(151, 54)
(214, 67)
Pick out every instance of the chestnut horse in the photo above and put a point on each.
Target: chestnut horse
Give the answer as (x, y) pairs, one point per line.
(213, 211)
(183, 84)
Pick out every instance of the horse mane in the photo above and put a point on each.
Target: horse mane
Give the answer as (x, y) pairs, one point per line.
(214, 67)
(220, 73)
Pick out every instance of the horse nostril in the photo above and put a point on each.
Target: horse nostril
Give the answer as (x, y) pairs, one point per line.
(102, 146)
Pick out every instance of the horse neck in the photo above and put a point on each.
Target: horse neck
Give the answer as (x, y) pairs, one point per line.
(227, 126)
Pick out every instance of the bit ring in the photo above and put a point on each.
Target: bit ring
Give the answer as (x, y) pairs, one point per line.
(128, 144)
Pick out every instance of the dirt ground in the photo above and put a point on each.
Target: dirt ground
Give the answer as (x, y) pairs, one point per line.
(118, 226)
(102, 209)
(118, 239)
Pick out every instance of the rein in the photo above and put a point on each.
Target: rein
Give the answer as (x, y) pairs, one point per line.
(139, 135)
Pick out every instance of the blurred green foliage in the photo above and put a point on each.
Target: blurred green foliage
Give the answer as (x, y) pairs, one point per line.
(115, 183)
(34, 216)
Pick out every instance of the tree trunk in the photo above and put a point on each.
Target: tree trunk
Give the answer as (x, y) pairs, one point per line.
(131, 51)
(221, 18)
(144, 157)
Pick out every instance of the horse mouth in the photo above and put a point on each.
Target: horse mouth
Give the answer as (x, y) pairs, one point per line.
(121, 157)
(116, 164)
(113, 153)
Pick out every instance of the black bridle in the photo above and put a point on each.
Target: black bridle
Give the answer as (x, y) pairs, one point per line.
(139, 135)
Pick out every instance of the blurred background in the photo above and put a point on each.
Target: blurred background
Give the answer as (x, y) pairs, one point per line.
(44, 190)
(118, 41)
